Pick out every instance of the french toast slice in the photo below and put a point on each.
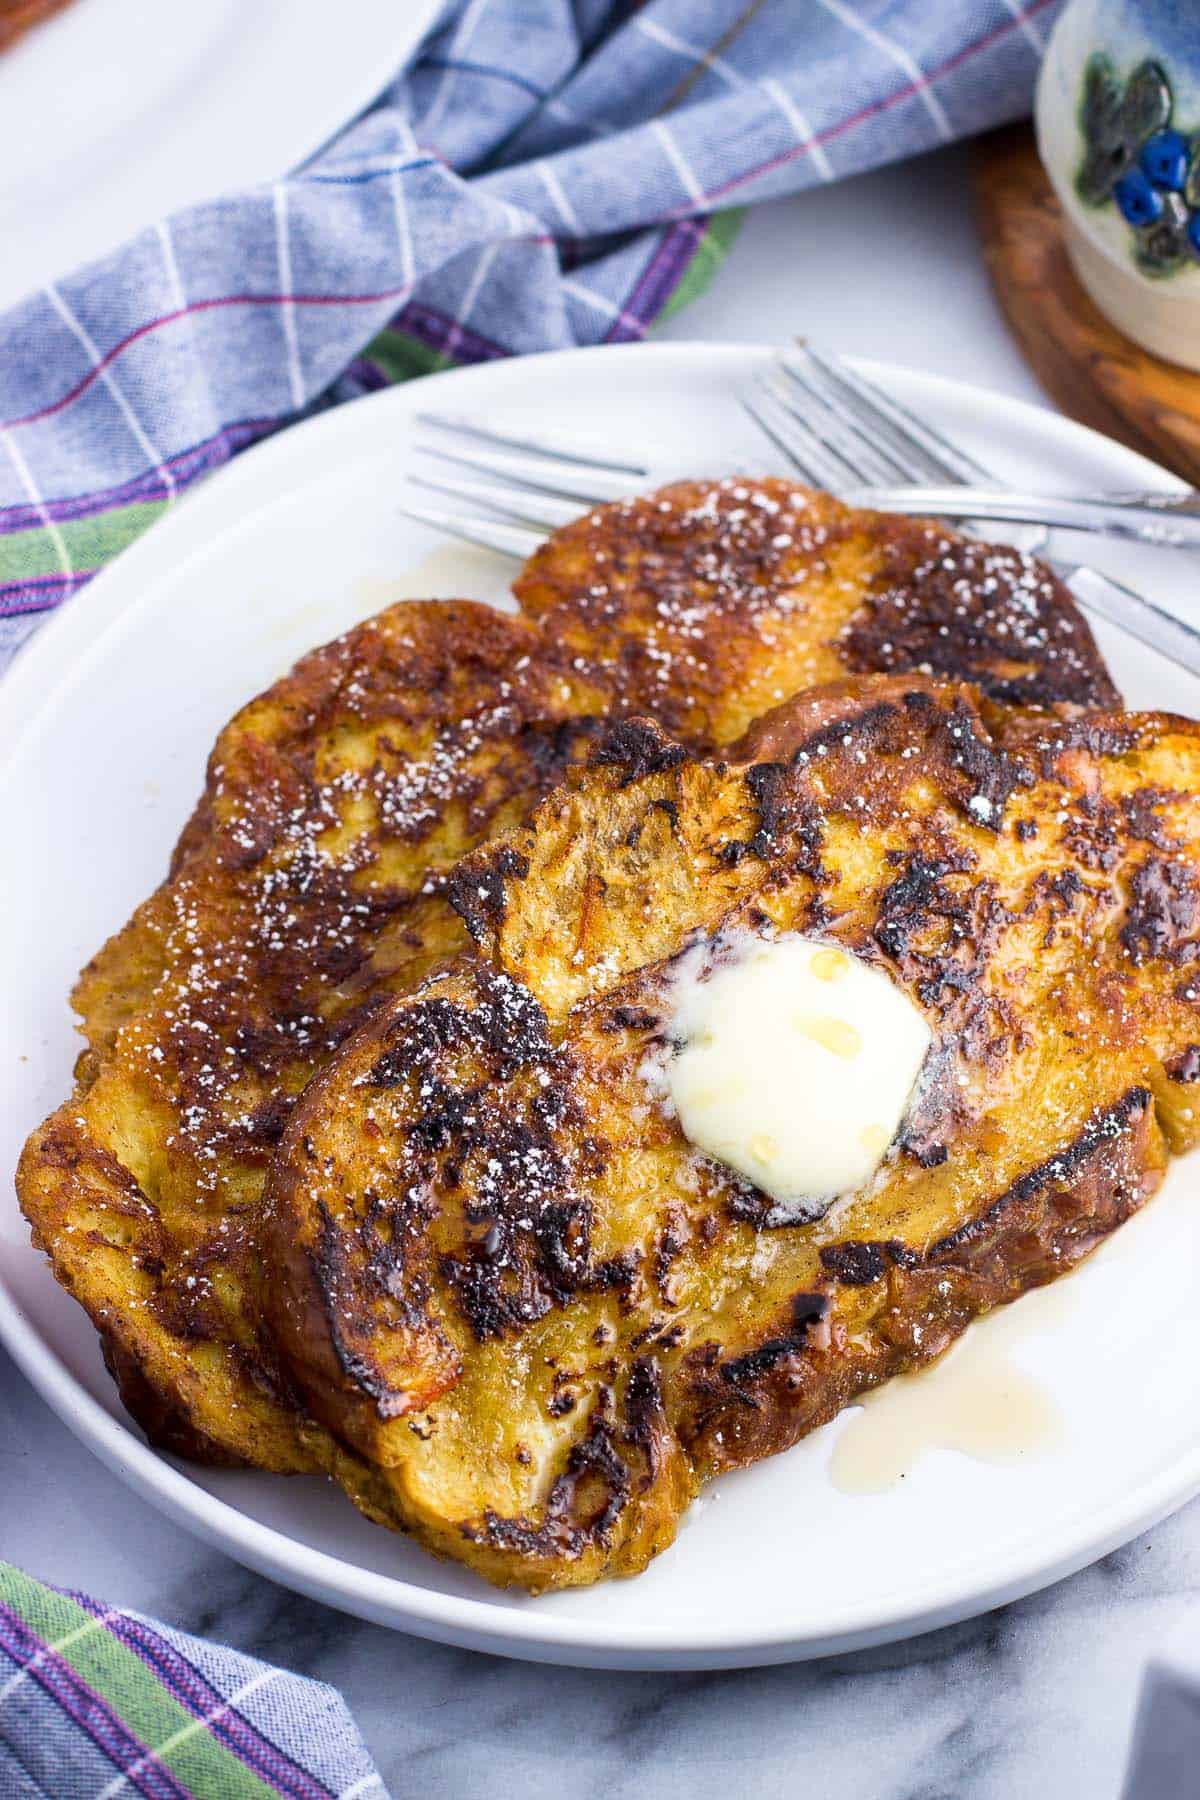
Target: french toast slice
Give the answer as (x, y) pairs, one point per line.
(308, 883)
(335, 803)
(758, 589)
(496, 1268)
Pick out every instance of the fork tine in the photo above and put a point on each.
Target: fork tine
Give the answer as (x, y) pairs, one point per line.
(805, 452)
(914, 462)
(783, 434)
(913, 435)
(869, 447)
(542, 477)
(509, 540)
(542, 511)
(556, 448)
(850, 444)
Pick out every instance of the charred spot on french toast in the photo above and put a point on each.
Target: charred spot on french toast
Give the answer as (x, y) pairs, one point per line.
(1163, 912)
(982, 613)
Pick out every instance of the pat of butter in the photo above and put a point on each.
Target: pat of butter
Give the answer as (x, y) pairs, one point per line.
(795, 1065)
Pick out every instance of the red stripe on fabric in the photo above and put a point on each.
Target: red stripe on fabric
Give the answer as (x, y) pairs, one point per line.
(223, 300)
(876, 106)
(197, 306)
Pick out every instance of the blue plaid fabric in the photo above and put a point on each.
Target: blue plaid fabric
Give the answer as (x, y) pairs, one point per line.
(547, 173)
(97, 1703)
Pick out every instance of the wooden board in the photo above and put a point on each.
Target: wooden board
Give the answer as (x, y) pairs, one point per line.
(1085, 364)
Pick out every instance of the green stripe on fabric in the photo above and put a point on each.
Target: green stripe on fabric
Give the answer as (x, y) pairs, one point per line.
(89, 542)
(401, 357)
(711, 252)
(182, 1743)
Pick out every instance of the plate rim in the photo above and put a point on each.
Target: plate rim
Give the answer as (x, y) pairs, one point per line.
(29, 686)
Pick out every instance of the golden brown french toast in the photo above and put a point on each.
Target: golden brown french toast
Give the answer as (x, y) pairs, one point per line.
(496, 1267)
(719, 600)
(309, 881)
(335, 803)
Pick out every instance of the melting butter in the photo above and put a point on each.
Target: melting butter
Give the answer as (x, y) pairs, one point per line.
(795, 1063)
(975, 1399)
(874, 1139)
(830, 964)
(834, 1035)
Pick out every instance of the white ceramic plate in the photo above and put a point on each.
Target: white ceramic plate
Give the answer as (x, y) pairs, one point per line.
(104, 724)
(115, 112)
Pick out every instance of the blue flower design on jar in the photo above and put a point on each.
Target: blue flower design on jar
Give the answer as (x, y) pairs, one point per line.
(1137, 159)
(1164, 160)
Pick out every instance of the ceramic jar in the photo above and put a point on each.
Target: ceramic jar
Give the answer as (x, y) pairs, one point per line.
(1118, 126)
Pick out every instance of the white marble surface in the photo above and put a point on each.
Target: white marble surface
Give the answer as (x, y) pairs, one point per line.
(1034, 1700)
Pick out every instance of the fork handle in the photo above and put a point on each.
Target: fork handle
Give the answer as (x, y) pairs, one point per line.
(1170, 635)
(1171, 520)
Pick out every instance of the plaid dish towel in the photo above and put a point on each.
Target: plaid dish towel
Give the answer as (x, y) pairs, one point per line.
(547, 173)
(96, 1703)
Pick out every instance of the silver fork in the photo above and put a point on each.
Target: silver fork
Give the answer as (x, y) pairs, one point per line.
(888, 444)
(836, 428)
